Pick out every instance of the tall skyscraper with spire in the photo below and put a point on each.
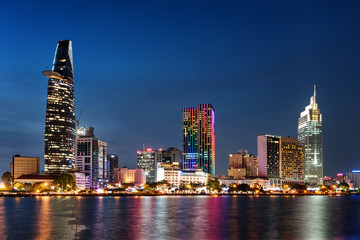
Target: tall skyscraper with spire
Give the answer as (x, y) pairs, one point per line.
(199, 138)
(310, 134)
(60, 130)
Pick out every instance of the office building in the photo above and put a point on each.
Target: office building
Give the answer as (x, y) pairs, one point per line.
(146, 160)
(91, 158)
(171, 155)
(60, 131)
(292, 161)
(199, 138)
(24, 166)
(113, 162)
(242, 164)
(269, 156)
(310, 134)
(354, 176)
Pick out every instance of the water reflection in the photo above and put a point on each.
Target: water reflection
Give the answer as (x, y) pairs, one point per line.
(174, 217)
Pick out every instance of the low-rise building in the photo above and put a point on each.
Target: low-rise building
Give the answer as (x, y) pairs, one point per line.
(263, 182)
(130, 176)
(35, 178)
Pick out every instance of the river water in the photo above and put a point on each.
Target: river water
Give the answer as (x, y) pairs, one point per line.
(181, 217)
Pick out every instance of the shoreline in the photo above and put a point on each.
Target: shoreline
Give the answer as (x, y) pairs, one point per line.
(162, 194)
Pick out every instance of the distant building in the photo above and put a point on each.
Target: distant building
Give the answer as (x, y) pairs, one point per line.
(113, 162)
(176, 177)
(292, 161)
(131, 176)
(269, 157)
(199, 138)
(91, 158)
(146, 161)
(281, 159)
(310, 134)
(251, 181)
(170, 155)
(340, 177)
(60, 130)
(80, 179)
(242, 164)
(354, 176)
(35, 178)
(24, 166)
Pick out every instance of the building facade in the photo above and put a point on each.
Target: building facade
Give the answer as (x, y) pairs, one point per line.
(199, 138)
(146, 160)
(269, 156)
(113, 162)
(24, 166)
(292, 160)
(310, 134)
(242, 164)
(91, 157)
(130, 176)
(354, 176)
(60, 131)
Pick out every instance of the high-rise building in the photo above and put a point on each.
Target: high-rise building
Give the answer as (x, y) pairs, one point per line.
(199, 138)
(113, 162)
(310, 134)
(60, 112)
(292, 161)
(171, 155)
(147, 160)
(24, 166)
(91, 157)
(269, 156)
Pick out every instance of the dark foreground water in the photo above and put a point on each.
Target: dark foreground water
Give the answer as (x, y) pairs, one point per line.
(181, 217)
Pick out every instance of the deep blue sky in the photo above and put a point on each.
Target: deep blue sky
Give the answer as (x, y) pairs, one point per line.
(138, 63)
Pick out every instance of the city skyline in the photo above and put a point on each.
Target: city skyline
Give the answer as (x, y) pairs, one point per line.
(255, 86)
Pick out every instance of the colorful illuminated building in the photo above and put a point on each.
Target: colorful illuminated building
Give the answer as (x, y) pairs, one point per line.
(310, 134)
(199, 138)
(60, 131)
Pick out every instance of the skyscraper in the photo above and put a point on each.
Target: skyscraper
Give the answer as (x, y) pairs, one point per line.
(310, 134)
(199, 138)
(146, 160)
(269, 156)
(292, 162)
(60, 112)
(113, 162)
(91, 158)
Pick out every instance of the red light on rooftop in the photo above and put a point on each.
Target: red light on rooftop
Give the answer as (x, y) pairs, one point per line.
(149, 150)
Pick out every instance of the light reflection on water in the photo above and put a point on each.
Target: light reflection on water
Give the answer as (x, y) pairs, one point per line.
(185, 217)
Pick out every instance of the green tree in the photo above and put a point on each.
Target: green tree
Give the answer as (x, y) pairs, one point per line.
(344, 186)
(213, 184)
(7, 178)
(66, 182)
(243, 187)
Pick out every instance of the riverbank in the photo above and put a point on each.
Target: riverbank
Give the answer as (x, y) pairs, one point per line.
(164, 194)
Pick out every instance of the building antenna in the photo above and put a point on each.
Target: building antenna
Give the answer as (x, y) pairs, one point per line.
(143, 147)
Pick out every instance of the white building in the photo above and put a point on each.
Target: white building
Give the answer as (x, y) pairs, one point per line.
(91, 157)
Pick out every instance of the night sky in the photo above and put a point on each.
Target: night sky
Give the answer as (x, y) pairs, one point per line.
(138, 63)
